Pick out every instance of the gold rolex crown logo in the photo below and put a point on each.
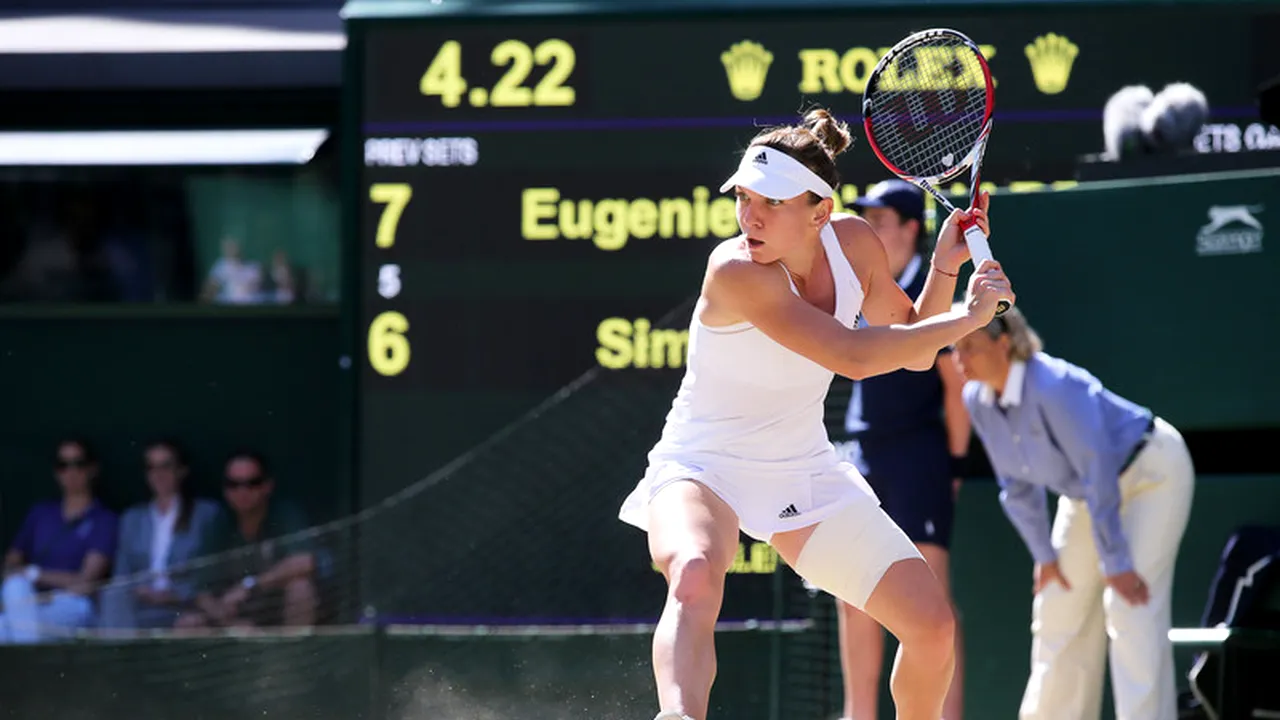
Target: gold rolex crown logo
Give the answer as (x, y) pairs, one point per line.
(747, 65)
(1051, 57)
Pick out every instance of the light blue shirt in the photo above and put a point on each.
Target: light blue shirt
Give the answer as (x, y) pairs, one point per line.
(1056, 427)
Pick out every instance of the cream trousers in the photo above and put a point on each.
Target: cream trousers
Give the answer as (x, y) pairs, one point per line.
(1070, 628)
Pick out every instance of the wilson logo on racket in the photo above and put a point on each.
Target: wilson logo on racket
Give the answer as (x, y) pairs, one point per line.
(916, 116)
(747, 65)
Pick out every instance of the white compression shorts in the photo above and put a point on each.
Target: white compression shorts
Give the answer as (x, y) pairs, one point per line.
(849, 552)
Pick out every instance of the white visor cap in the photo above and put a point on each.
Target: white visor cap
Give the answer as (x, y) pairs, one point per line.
(775, 175)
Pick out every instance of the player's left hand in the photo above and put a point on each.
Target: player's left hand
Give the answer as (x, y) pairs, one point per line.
(1130, 586)
(951, 251)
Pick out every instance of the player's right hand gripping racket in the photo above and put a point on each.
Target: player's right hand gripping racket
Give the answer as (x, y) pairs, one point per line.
(927, 113)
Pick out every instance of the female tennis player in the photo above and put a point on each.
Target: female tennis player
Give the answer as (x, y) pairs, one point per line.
(745, 447)
(1124, 481)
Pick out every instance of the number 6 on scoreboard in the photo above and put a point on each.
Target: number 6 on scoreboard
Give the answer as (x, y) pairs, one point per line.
(395, 196)
(388, 343)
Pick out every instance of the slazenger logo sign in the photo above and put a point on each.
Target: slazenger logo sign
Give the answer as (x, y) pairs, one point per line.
(1231, 230)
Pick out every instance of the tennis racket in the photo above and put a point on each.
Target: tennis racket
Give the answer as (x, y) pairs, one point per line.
(927, 113)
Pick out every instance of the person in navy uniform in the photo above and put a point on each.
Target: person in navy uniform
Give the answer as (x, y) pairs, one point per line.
(907, 432)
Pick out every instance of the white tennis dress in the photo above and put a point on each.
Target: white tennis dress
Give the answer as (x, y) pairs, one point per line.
(747, 422)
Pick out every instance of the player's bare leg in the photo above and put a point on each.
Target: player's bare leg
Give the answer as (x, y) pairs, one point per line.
(910, 603)
(693, 537)
(939, 559)
(862, 651)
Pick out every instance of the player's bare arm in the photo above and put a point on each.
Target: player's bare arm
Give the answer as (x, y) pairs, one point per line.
(956, 417)
(886, 303)
(737, 289)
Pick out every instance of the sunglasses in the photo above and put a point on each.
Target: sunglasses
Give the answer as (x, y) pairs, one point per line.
(63, 464)
(238, 484)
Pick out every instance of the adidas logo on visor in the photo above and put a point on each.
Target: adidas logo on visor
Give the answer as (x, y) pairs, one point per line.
(761, 159)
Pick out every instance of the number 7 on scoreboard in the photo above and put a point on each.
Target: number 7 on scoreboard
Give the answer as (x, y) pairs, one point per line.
(395, 196)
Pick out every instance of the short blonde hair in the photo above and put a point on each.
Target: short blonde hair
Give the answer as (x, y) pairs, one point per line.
(1024, 341)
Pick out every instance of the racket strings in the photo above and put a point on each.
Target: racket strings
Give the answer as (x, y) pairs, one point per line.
(928, 107)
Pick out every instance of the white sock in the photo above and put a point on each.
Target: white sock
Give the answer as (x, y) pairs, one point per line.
(672, 715)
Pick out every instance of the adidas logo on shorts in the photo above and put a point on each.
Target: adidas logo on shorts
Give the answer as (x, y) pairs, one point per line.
(790, 511)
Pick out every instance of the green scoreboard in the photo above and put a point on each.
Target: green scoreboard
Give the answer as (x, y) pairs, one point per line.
(533, 195)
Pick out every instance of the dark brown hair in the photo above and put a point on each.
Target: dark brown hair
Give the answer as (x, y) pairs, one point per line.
(186, 502)
(815, 142)
(87, 452)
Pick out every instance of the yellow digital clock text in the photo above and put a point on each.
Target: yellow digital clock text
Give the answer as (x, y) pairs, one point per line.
(444, 79)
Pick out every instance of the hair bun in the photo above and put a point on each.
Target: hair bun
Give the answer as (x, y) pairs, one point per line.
(833, 134)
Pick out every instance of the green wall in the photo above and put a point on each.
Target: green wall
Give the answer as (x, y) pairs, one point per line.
(1130, 281)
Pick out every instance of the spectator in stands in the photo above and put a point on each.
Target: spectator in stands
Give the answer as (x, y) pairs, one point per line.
(283, 288)
(59, 556)
(164, 533)
(269, 581)
(233, 280)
